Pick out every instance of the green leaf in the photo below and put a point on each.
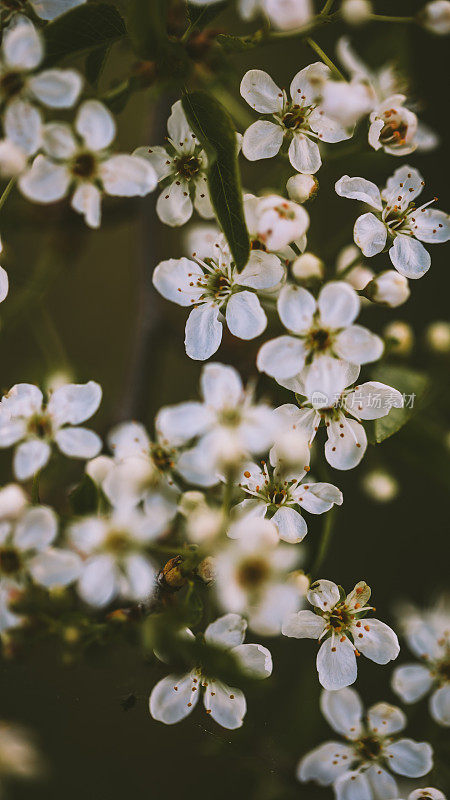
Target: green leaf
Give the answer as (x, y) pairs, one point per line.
(234, 44)
(215, 130)
(84, 498)
(95, 64)
(201, 16)
(147, 26)
(81, 30)
(411, 384)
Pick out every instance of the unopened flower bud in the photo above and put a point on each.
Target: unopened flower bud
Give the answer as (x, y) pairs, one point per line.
(57, 379)
(437, 337)
(302, 187)
(300, 581)
(355, 12)
(206, 570)
(399, 335)
(307, 266)
(389, 288)
(191, 502)
(98, 468)
(380, 486)
(436, 17)
(12, 501)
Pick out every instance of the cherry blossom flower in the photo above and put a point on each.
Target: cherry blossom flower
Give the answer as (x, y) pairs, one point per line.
(228, 426)
(23, 87)
(274, 222)
(362, 766)
(175, 696)
(346, 632)
(181, 169)
(428, 637)
(215, 287)
(278, 498)
(398, 223)
(426, 794)
(252, 576)
(300, 121)
(324, 385)
(32, 424)
(79, 161)
(317, 327)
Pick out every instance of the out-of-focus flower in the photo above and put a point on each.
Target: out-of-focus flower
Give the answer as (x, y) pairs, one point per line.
(355, 12)
(50, 9)
(436, 17)
(19, 756)
(300, 120)
(362, 766)
(399, 336)
(398, 223)
(79, 159)
(32, 424)
(389, 288)
(380, 486)
(308, 267)
(350, 268)
(339, 622)
(302, 187)
(175, 696)
(437, 336)
(317, 328)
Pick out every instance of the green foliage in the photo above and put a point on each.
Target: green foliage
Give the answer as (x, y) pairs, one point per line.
(201, 16)
(215, 130)
(147, 26)
(84, 498)
(409, 383)
(81, 30)
(234, 44)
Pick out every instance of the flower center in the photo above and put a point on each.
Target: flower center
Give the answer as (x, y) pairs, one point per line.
(257, 244)
(252, 572)
(162, 459)
(230, 417)
(369, 748)
(40, 425)
(188, 166)
(84, 165)
(11, 83)
(117, 542)
(394, 133)
(10, 561)
(319, 339)
(296, 117)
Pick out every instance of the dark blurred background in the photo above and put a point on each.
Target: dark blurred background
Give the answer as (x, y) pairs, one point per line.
(82, 302)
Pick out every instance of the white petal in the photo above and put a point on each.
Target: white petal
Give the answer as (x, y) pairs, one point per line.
(141, 577)
(440, 705)
(328, 128)
(324, 764)
(57, 88)
(98, 581)
(431, 226)
(317, 498)
(227, 631)
(323, 594)
(353, 786)
(336, 664)
(49, 9)
(359, 189)
(173, 698)
(58, 140)
(373, 400)
(22, 46)
(174, 206)
(304, 85)
(303, 625)
(376, 640)
(95, 124)
(262, 271)
(78, 442)
(385, 719)
(426, 794)
(129, 439)
(407, 183)
(325, 380)
(176, 280)
(358, 345)
(127, 176)
(75, 402)
(409, 256)
(280, 600)
(296, 307)
(304, 154)
(370, 234)
(410, 758)
(23, 400)
(254, 659)
(411, 682)
(260, 92)
(245, 316)
(86, 201)
(221, 386)
(203, 332)
(177, 424)
(88, 534)
(4, 284)
(29, 458)
(282, 357)
(202, 199)
(288, 14)
(12, 502)
(198, 465)
(263, 139)
(226, 705)
(36, 529)
(343, 710)
(55, 567)
(23, 126)
(346, 443)
(290, 524)
(338, 304)
(159, 158)
(383, 785)
(45, 181)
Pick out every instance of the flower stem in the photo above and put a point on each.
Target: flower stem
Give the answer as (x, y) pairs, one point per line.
(313, 44)
(6, 192)
(327, 7)
(35, 498)
(325, 541)
(384, 18)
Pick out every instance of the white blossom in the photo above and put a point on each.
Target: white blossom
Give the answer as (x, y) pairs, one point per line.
(380, 486)
(300, 121)
(437, 336)
(33, 424)
(327, 399)
(361, 767)
(274, 222)
(436, 16)
(79, 161)
(339, 622)
(398, 223)
(181, 170)
(19, 757)
(349, 266)
(218, 291)
(389, 288)
(428, 638)
(175, 696)
(316, 328)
